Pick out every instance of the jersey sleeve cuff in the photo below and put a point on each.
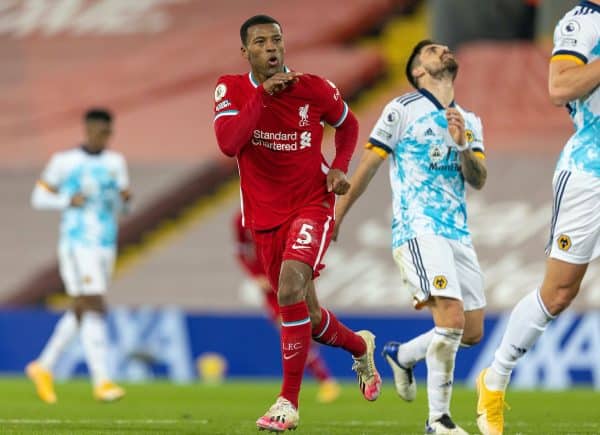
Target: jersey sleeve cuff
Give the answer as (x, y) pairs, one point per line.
(342, 118)
(375, 144)
(570, 55)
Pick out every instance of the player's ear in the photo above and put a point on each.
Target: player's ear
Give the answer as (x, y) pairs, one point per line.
(418, 72)
(244, 52)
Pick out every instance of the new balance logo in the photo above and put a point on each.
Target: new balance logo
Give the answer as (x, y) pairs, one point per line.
(429, 132)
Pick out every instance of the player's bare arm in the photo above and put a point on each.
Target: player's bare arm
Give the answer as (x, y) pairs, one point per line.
(569, 80)
(473, 168)
(367, 168)
(473, 165)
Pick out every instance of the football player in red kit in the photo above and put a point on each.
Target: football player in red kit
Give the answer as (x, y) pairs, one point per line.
(272, 119)
(329, 389)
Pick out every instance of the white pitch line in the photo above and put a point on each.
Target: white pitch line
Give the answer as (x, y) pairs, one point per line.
(90, 421)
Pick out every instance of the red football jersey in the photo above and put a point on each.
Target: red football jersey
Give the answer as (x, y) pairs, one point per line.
(282, 168)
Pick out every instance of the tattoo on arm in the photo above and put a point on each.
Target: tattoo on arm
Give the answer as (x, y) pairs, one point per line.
(473, 169)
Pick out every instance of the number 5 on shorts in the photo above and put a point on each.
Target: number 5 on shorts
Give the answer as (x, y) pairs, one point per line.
(305, 237)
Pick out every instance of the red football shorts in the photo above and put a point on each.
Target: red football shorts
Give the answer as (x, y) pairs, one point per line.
(305, 237)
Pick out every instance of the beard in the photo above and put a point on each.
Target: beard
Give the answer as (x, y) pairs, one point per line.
(448, 68)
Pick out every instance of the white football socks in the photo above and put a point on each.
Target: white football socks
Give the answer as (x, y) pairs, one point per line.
(413, 351)
(440, 370)
(64, 331)
(95, 344)
(526, 324)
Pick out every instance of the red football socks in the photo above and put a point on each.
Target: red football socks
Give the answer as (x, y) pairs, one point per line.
(316, 366)
(295, 343)
(333, 333)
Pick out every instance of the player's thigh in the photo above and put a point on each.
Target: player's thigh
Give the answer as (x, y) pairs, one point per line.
(428, 269)
(575, 226)
(308, 237)
(269, 248)
(70, 271)
(469, 275)
(86, 270)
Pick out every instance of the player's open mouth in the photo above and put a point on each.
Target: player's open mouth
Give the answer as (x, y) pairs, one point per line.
(273, 61)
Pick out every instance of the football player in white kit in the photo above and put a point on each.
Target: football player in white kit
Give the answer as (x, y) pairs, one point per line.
(574, 242)
(435, 146)
(90, 186)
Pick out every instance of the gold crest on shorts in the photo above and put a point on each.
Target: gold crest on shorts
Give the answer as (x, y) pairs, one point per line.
(563, 242)
(440, 282)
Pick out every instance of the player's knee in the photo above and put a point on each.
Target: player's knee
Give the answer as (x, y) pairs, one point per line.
(290, 293)
(471, 338)
(561, 299)
(558, 298)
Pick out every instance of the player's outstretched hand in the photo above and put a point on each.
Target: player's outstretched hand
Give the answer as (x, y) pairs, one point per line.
(77, 200)
(280, 81)
(456, 126)
(337, 182)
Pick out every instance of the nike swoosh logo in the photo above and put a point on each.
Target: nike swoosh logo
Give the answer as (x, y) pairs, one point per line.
(286, 357)
(294, 246)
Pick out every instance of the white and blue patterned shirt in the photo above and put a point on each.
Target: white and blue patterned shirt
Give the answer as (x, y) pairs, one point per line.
(425, 170)
(100, 178)
(577, 37)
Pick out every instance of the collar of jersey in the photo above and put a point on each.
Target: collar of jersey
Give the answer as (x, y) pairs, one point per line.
(255, 82)
(91, 153)
(590, 5)
(434, 100)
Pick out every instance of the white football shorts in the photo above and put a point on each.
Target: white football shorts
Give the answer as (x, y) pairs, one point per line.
(436, 266)
(575, 226)
(86, 271)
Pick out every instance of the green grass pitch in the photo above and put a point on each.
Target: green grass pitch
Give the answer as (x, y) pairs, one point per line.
(232, 408)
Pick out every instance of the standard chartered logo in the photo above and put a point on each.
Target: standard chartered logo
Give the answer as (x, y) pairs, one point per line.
(305, 139)
(281, 141)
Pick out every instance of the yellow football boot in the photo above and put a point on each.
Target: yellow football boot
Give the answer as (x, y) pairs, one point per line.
(490, 408)
(42, 379)
(108, 392)
(329, 391)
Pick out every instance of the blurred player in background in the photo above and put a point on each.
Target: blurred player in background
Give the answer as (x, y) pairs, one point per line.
(435, 146)
(272, 119)
(329, 390)
(90, 186)
(574, 242)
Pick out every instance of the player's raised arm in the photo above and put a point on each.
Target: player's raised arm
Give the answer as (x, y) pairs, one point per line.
(571, 76)
(233, 124)
(470, 146)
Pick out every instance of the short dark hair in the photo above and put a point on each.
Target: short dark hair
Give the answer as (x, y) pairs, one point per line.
(254, 21)
(98, 114)
(410, 65)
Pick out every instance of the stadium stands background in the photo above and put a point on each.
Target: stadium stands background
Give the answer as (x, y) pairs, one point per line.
(155, 64)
